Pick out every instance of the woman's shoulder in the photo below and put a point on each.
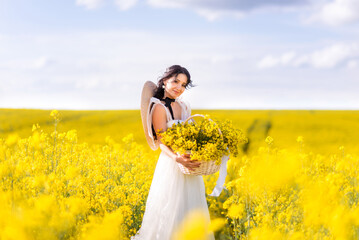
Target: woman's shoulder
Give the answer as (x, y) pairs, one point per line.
(155, 109)
(155, 101)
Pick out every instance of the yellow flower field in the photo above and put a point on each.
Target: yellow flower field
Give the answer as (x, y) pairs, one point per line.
(86, 175)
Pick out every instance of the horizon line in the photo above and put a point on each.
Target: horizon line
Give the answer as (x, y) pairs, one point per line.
(195, 109)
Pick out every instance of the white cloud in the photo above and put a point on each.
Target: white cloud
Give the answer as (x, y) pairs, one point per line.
(125, 4)
(272, 61)
(352, 64)
(328, 57)
(90, 4)
(268, 62)
(337, 12)
(168, 4)
(246, 5)
(330, 12)
(212, 10)
(286, 58)
(110, 66)
(42, 62)
(108, 71)
(333, 55)
(212, 15)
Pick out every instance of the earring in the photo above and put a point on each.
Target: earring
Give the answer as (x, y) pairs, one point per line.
(163, 86)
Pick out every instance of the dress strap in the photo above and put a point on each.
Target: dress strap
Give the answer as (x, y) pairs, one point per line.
(155, 101)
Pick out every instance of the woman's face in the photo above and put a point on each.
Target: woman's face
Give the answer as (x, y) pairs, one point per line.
(175, 86)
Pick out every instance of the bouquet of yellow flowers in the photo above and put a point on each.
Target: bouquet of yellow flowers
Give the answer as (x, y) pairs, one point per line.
(207, 141)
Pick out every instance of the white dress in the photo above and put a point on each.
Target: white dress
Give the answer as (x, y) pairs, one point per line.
(172, 194)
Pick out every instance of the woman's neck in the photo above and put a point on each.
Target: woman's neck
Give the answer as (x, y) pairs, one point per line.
(167, 95)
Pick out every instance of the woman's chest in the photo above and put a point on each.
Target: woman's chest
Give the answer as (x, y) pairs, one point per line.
(176, 109)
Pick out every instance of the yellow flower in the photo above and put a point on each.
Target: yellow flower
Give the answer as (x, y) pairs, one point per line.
(300, 139)
(36, 140)
(269, 140)
(236, 211)
(217, 224)
(195, 226)
(35, 127)
(12, 139)
(55, 115)
(265, 233)
(204, 140)
(72, 135)
(55, 188)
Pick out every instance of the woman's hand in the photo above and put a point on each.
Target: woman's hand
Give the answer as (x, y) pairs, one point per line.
(186, 161)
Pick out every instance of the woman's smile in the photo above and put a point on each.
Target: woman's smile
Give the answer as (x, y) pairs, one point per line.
(176, 86)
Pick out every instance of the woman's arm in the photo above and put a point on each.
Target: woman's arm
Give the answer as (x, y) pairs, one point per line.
(159, 122)
(159, 119)
(184, 159)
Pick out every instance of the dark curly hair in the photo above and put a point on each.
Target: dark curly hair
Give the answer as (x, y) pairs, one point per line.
(174, 70)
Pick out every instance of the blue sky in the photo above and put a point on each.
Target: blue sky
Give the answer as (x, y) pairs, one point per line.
(96, 54)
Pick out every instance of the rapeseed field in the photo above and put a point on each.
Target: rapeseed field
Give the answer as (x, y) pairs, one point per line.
(86, 175)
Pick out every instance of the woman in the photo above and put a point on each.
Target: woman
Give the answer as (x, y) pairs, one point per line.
(172, 194)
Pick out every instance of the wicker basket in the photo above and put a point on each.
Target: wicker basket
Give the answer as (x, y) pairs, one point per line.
(206, 167)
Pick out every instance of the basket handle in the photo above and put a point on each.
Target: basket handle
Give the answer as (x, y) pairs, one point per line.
(200, 115)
